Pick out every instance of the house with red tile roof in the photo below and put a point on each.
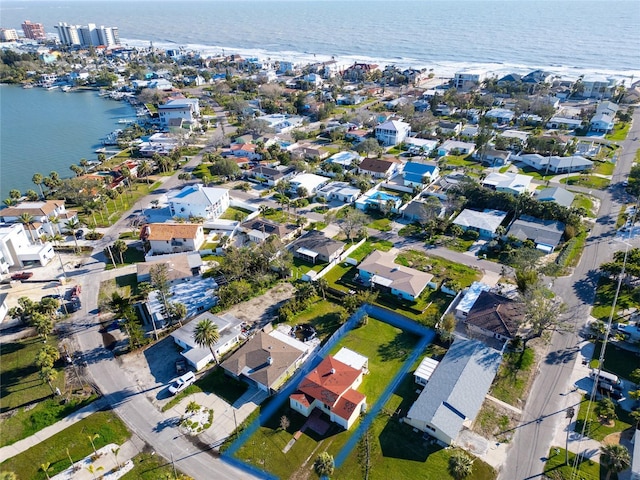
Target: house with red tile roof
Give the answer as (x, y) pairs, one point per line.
(331, 388)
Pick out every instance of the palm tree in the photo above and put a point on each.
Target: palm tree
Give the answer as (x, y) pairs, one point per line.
(28, 220)
(120, 246)
(76, 169)
(48, 374)
(84, 164)
(179, 311)
(73, 225)
(144, 170)
(93, 470)
(115, 452)
(460, 465)
(322, 285)
(206, 335)
(15, 194)
(38, 179)
(324, 464)
(616, 458)
(46, 468)
(92, 439)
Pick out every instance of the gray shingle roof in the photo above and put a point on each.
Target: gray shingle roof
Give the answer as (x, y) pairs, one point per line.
(457, 388)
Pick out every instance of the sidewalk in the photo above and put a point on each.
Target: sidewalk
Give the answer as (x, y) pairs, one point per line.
(26, 443)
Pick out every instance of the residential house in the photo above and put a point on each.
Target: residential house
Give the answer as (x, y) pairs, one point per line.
(17, 250)
(185, 109)
(197, 294)
(282, 123)
(379, 168)
(537, 77)
(173, 237)
(455, 147)
(271, 176)
(454, 394)
(345, 159)
(358, 71)
(267, 360)
(198, 201)
(563, 123)
(546, 234)
(417, 174)
(316, 247)
(449, 128)
(469, 299)
(500, 116)
(50, 217)
(604, 119)
(332, 388)
(495, 316)
(247, 150)
(486, 223)
(556, 194)
(308, 150)
(469, 132)
(508, 182)
(509, 80)
(259, 229)
(468, 79)
(415, 211)
(379, 200)
(341, 191)
(357, 135)
(392, 132)
(555, 164)
(380, 270)
(597, 86)
(307, 181)
(420, 146)
(180, 266)
(443, 109)
(229, 331)
(492, 157)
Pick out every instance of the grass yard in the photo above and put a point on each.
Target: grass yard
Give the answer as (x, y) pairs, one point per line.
(616, 360)
(227, 388)
(381, 224)
(323, 315)
(126, 285)
(584, 201)
(386, 347)
(513, 377)
(595, 428)
(131, 256)
(150, 467)
(300, 267)
(588, 469)
(106, 424)
(279, 216)
(461, 161)
(604, 299)
(20, 384)
(27, 422)
(587, 181)
(369, 246)
(532, 172)
(603, 168)
(440, 268)
(458, 244)
(620, 131)
(235, 213)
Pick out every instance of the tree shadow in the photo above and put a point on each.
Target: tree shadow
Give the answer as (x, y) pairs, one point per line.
(585, 287)
(398, 440)
(562, 356)
(397, 349)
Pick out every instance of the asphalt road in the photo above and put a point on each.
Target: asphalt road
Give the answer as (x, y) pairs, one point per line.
(544, 411)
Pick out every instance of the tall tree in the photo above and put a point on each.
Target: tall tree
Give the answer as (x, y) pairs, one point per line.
(38, 179)
(73, 225)
(27, 220)
(121, 247)
(542, 314)
(460, 465)
(206, 335)
(616, 458)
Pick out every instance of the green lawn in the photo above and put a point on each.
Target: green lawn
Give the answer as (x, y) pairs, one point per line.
(604, 299)
(587, 181)
(617, 360)
(235, 213)
(381, 224)
(386, 347)
(107, 425)
(227, 388)
(620, 131)
(461, 161)
(131, 256)
(603, 168)
(532, 172)
(513, 377)
(323, 315)
(369, 246)
(26, 422)
(149, 467)
(596, 429)
(583, 201)
(280, 216)
(20, 384)
(588, 470)
(300, 267)
(440, 268)
(458, 244)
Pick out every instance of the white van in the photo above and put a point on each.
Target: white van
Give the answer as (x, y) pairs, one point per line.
(182, 382)
(607, 378)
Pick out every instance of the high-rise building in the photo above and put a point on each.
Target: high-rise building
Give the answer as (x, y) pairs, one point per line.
(88, 35)
(8, 35)
(34, 31)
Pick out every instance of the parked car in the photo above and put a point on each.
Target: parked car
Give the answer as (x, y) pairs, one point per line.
(79, 233)
(610, 391)
(181, 366)
(182, 382)
(22, 276)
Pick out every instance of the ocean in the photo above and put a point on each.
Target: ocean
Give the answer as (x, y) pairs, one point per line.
(42, 130)
(567, 37)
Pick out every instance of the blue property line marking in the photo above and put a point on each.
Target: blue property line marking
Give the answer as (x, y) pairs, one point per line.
(379, 313)
(248, 468)
(371, 415)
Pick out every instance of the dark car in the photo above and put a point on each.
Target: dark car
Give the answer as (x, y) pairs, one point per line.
(79, 233)
(22, 276)
(609, 391)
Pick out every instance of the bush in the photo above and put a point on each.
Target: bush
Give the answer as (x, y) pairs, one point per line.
(471, 235)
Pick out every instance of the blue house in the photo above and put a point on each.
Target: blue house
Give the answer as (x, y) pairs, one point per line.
(419, 174)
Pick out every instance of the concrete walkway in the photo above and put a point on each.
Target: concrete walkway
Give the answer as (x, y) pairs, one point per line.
(26, 443)
(504, 404)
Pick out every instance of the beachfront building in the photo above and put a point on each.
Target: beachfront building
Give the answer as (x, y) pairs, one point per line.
(33, 31)
(49, 217)
(88, 35)
(198, 201)
(468, 79)
(332, 388)
(8, 35)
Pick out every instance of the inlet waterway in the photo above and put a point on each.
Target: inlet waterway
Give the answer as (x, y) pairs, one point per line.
(43, 131)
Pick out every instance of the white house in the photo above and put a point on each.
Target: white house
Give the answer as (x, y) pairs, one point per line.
(309, 181)
(341, 191)
(16, 248)
(508, 182)
(392, 132)
(186, 109)
(555, 164)
(501, 116)
(282, 123)
(199, 201)
(468, 79)
(455, 147)
(454, 394)
(49, 216)
(485, 223)
(420, 146)
(173, 237)
(229, 330)
(564, 123)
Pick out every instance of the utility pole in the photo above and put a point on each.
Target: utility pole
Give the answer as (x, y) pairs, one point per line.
(569, 416)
